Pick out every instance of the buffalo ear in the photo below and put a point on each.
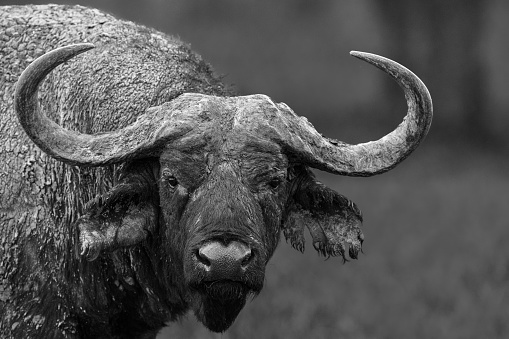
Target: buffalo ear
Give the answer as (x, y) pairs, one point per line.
(122, 217)
(333, 220)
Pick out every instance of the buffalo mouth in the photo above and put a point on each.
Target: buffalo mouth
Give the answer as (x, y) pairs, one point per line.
(217, 303)
(221, 275)
(225, 290)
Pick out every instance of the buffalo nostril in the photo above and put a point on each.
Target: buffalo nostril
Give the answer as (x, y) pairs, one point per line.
(224, 261)
(248, 256)
(202, 257)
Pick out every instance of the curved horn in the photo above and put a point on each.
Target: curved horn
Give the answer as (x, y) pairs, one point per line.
(135, 140)
(378, 156)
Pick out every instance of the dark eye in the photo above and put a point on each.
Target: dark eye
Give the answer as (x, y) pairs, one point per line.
(172, 181)
(275, 182)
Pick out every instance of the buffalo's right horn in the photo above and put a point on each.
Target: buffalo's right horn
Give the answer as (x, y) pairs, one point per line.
(138, 139)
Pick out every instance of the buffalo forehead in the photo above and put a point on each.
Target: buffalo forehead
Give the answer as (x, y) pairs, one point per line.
(229, 131)
(237, 146)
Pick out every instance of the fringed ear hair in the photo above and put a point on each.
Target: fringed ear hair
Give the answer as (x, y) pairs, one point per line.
(332, 220)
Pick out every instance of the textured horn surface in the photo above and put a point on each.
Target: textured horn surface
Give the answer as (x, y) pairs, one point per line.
(372, 157)
(139, 139)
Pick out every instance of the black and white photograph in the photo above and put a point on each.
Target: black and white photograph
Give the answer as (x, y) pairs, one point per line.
(254, 169)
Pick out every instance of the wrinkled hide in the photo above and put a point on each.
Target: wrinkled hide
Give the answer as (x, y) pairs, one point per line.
(136, 188)
(47, 290)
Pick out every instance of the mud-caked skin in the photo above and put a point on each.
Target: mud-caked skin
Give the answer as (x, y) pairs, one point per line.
(46, 288)
(173, 194)
(222, 185)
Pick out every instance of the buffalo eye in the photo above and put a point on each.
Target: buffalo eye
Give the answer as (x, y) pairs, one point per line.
(170, 179)
(275, 182)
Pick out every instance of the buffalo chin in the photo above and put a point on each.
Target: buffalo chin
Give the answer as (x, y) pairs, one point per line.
(218, 303)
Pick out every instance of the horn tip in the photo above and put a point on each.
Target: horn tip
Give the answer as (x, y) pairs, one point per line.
(363, 55)
(356, 53)
(81, 47)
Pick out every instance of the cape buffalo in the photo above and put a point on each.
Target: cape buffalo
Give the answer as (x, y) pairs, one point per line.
(135, 186)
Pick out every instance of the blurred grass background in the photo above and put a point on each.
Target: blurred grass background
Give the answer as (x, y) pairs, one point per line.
(436, 263)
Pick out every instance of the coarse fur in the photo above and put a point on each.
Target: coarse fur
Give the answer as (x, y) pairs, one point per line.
(135, 187)
(132, 68)
(114, 251)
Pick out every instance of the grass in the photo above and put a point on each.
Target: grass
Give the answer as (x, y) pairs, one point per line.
(436, 262)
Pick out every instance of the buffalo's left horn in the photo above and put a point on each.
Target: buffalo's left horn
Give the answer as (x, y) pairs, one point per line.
(136, 140)
(372, 157)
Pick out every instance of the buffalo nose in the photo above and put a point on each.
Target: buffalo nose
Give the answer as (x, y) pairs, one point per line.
(224, 261)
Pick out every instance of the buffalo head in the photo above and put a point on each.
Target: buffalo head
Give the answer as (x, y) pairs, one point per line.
(212, 181)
